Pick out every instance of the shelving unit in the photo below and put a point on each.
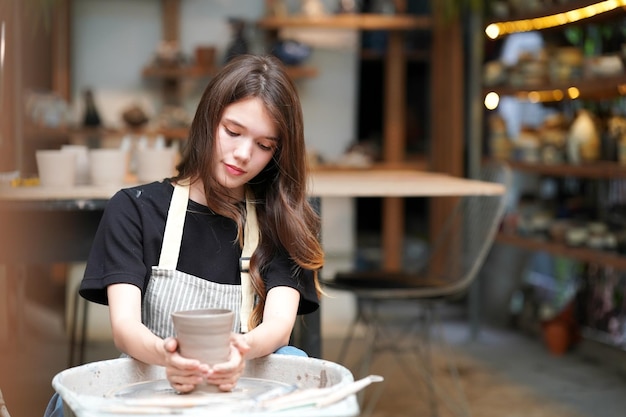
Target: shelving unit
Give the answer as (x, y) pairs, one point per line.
(394, 117)
(609, 259)
(590, 88)
(595, 170)
(594, 88)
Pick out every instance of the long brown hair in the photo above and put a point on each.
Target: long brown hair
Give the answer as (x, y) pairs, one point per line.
(286, 219)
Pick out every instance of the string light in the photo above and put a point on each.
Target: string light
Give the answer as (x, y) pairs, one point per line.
(497, 29)
(492, 100)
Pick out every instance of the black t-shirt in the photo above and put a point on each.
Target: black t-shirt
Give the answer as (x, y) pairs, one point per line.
(130, 235)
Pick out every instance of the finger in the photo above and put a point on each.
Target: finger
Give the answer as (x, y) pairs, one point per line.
(185, 383)
(183, 388)
(217, 380)
(223, 382)
(170, 344)
(235, 362)
(226, 387)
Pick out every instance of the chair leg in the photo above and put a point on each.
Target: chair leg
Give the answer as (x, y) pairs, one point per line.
(83, 333)
(369, 319)
(458, 403)
(345, 344)
(74, 332)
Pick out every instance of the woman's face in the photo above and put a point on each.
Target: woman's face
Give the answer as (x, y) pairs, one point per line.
(245, 142)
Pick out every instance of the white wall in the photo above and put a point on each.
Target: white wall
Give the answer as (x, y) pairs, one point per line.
(114, 39)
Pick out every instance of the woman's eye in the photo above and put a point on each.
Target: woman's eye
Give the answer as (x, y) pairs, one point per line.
(230, 132)
(265, 147)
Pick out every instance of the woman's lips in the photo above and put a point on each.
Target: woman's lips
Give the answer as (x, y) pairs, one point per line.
(233, 170)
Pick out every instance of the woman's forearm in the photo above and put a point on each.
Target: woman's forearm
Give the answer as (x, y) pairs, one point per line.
(137, 341)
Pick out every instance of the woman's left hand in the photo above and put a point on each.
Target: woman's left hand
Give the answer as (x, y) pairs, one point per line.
(225, 375)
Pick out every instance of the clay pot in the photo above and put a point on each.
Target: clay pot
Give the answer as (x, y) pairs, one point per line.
(556, 335)
(204, 334)
(561, 332)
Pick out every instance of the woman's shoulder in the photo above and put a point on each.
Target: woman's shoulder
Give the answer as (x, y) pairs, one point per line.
(142, 198)
(158, 191)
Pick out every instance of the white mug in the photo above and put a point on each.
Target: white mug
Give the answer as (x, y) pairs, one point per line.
(82, 162)
(155, 164)
(56, 168)
(108, 166)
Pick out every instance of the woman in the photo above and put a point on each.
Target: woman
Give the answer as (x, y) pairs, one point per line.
(245, 155)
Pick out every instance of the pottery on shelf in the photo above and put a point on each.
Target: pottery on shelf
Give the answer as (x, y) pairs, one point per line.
(583, 142)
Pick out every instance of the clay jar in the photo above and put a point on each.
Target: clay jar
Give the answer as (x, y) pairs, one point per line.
(204, 334)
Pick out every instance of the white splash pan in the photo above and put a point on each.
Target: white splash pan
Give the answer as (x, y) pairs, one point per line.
(84, 388)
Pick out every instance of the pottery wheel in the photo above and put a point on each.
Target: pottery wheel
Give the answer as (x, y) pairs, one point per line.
(160, 393)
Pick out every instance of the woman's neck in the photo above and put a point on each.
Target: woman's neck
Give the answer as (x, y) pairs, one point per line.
(197, 194)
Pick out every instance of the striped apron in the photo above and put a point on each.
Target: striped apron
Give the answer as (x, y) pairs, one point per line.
(170, 290)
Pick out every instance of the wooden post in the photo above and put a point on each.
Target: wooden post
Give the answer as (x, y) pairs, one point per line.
(170, 16)
(447, 108)
(394, 147)
(61, 56)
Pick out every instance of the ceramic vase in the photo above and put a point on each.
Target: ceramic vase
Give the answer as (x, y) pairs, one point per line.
(583, 142)
(204, 334)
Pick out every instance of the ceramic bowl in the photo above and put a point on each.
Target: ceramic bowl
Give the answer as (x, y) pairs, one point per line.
(291, 52)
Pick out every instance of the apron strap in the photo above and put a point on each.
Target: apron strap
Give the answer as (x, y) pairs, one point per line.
(174, 225)
(250, 242)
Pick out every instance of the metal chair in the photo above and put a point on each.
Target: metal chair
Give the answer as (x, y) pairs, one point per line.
(399, 310)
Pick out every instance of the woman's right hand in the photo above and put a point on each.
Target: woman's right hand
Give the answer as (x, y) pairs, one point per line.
(183, 374)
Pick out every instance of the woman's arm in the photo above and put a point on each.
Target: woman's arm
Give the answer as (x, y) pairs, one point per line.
(279, 317)
(132, 337)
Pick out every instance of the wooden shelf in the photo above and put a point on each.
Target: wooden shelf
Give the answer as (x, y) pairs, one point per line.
(295, 72)
(593, 170)
(419, 164)
(177, 72)
(595, 88)
(66, 132)
(300, 72)
(411, 56)
(582, 254)
(363, 21)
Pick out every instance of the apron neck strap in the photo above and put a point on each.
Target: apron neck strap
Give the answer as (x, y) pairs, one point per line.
(250, 242)
(174, 225)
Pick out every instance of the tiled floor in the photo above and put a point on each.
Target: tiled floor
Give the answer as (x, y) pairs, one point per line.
(27, 367)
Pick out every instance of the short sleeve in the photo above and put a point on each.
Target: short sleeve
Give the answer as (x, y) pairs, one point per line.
(283, 271)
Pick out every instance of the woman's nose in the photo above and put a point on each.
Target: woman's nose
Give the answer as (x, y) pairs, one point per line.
(243, 150)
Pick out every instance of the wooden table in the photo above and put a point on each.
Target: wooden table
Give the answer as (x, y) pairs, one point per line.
(395, 183)
(323, 183)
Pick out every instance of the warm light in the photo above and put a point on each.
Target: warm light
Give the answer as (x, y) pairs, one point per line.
(492, 100)
(573, 92)
(492, 31)
(541, 96)
(534, 97)
(621, 89)
(497, 29)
